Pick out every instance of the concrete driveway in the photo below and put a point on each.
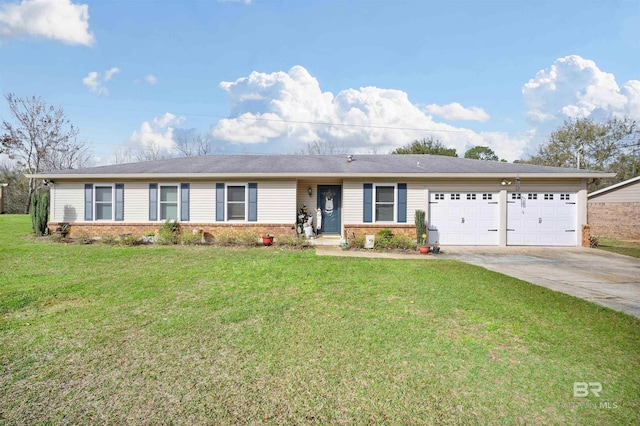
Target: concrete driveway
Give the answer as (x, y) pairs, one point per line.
(608, 279)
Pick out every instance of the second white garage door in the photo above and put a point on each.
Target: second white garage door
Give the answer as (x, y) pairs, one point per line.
(463, 218)
(541, 219)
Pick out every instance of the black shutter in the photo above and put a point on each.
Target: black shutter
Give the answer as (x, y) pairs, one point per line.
(88, 201)
(184, 202)
(368, 203)
(220, 202)
(402, 203)
(119, 201)
(153, 202)
(253, 202)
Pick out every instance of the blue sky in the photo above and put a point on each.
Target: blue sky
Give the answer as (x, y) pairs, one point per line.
(267, 76)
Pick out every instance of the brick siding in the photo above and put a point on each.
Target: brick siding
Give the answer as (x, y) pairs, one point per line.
(206, 229)
(617, 220)
(359, 230)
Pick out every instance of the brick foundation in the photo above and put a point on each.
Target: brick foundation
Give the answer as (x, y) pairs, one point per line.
(207, 229)
(586, 236)
(358, 230)
(617, 220)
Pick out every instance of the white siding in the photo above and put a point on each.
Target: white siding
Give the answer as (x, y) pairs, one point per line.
(68, 202)
(136, 202)
(202, 202)
(417, 199)
(277, 202)
(352, 199)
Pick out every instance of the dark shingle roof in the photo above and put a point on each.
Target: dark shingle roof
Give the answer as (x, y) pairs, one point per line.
(318, 165)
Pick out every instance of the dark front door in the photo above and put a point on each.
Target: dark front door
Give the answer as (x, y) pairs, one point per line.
(329, 198)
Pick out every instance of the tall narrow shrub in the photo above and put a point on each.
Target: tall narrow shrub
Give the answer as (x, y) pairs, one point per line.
(421, 226)
(40, 212)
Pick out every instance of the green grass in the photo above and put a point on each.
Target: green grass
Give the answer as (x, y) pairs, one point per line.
(183, 335)
(628, 248)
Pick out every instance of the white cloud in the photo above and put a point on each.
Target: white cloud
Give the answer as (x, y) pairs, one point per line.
(575, 87)
(55, 19)
(455, 111)
(285, 109)
(157, 134)
(151, 79)
(95, 81)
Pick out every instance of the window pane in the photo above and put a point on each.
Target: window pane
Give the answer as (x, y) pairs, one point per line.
(384, 194)
(384, 212)
(103, 211)
(103, 193)
(169, 193)
(168, 211)
(235, 193)
(235, 211)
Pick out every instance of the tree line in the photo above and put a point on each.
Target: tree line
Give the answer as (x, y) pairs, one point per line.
(38, 137)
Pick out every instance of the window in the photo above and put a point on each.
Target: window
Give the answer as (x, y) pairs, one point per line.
(516, 196)
(236, 202)
(564, 197)
(455, 196)
(548, 196)
(532, 196)
(487, 196)
(169, 202)
(439, 197)
(385, 199)
(471, 196)
(104, 202)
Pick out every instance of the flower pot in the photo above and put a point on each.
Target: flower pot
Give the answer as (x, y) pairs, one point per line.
(424, 249)
(267, 241)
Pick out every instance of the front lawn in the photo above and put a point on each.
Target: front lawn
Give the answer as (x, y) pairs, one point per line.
(182, 335)
(628, 248)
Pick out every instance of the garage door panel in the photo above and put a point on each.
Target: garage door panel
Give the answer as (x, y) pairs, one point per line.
(541, 219)
(463, 219)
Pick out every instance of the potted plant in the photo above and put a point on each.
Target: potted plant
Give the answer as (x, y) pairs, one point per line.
(421, 231)
(267, 239)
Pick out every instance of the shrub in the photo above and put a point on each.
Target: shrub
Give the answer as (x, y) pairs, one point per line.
(249, 239)
(291, 242)
(190, 239)
(40, 212)
(421, 226)
(594, 242)
(225, 240)
(357, 241)
(129, 240)
(402, 242)
(169, 233)
(383, 239)
(84, 238)
(109, 239)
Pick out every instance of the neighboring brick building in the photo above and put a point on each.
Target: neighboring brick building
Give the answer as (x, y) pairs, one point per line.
(615, 211)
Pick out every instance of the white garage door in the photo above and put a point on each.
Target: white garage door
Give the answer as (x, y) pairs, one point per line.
(463, 218)
(541, 219)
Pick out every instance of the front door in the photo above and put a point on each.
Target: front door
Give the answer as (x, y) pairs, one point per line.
(329, 197)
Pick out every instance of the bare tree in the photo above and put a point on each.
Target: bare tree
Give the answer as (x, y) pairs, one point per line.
(39, 137)
(193, 144)
(151, 152)
(16, 192)
(320, 147)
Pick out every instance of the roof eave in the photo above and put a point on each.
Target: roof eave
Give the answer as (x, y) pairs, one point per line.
(140, 176)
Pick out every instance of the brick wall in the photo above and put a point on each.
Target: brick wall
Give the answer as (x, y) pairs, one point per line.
(209, 229)
(618, 220)
(372, 229)
(586, 236)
